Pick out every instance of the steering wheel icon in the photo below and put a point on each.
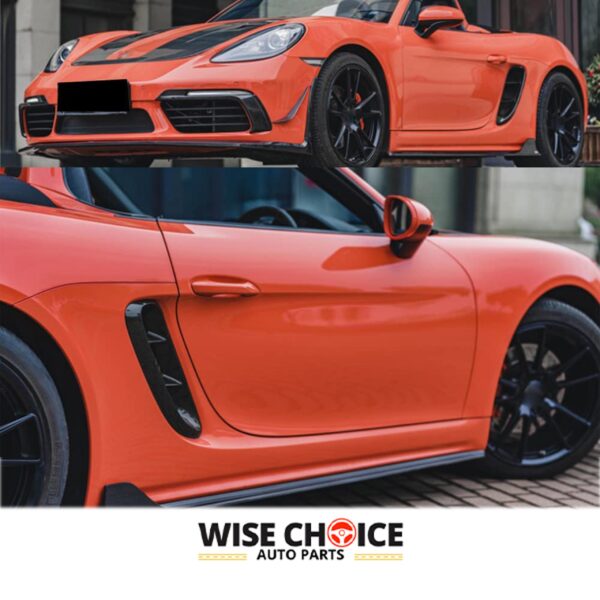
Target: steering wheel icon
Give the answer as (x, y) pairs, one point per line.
(341, 533)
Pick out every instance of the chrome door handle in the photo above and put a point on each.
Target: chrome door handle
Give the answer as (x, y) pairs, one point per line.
(224, 288)
(497, 59)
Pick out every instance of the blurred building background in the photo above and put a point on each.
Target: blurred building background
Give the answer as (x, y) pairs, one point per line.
(561, 206)
(575, 22)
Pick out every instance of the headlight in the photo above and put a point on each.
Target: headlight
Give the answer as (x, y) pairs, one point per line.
(265, 44)
(59, 57)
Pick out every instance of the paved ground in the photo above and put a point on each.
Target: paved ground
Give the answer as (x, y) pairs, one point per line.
(579, 487)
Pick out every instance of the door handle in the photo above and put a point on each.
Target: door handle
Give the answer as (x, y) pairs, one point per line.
(496, 59)
(224, 288)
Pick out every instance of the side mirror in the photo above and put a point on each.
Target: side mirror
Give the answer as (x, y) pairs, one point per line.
(407, 223)
(433, 18)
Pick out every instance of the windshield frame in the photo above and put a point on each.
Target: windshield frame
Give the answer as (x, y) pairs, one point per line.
(223, 13)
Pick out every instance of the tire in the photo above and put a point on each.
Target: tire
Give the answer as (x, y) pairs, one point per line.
(557, 149)
(364, 122)
(547, 458)
(26, 388)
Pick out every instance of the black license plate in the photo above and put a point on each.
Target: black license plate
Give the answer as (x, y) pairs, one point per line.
(94, 97)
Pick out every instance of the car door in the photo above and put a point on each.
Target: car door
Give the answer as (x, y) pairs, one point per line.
(298, 332)
(453, 80)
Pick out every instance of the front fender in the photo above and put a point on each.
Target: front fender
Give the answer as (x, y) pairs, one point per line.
(509, 276)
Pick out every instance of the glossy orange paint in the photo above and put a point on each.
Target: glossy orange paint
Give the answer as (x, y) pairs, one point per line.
(336, 356)
(438, 87)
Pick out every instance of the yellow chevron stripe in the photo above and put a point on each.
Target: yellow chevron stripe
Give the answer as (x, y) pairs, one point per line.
(376, 557)
(222, 557)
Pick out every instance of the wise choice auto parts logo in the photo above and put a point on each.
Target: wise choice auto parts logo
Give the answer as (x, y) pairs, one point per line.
(336, 540)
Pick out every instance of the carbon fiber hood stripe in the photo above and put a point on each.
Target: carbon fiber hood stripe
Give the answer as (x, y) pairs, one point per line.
(185, 46)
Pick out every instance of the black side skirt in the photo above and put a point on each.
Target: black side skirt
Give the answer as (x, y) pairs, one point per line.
(128, 495)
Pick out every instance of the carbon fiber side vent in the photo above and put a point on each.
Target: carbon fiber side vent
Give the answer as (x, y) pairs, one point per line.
(157, 356)
(513, 89)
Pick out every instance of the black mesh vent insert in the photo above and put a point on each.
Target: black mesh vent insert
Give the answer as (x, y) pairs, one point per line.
(38, 119)
(134, 121)
(206, 115)
(512, 94)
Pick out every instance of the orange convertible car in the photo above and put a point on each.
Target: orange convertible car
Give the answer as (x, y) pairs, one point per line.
(332, 83)
(189, 337)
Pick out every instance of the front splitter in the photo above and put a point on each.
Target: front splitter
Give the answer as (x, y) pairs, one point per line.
(275, 152)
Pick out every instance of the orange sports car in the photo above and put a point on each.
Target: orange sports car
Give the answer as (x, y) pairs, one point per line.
(324, 82)
(188, 337)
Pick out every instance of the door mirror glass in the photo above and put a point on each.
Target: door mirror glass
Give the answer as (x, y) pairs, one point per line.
(407, 224)
(433, 18)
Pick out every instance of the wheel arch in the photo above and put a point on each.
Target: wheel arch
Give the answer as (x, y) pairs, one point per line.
(577, 297)
(56, 362)
(572, 76)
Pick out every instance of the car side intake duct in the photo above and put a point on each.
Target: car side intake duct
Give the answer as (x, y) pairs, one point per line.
(513, 89)
(157, 356)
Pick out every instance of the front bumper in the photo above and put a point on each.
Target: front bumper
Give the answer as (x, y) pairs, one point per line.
(265, 110)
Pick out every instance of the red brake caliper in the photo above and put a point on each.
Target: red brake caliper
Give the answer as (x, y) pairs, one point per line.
(358, 99)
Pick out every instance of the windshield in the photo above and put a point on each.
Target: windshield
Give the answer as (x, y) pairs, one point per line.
(379, 11)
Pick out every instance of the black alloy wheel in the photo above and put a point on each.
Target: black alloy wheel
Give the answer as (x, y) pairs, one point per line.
(22, 445)
(348, 114)
(563, 121)
(355, 117)
(547, 410)
(560, 125)
(33, 429)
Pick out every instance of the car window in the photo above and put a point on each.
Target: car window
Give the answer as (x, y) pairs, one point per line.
(416, 6)
(254, 197)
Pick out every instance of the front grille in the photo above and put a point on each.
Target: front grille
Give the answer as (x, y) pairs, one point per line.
(37, 119)
(134, 121)
(206, 115)
(159, 361)
(511, 95)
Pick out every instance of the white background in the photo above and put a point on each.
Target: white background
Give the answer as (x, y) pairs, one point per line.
(479, 553)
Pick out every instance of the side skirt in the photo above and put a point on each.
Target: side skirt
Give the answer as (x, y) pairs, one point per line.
(529, 148)
(128, 495)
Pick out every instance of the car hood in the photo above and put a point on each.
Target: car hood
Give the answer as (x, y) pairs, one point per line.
(169, 44)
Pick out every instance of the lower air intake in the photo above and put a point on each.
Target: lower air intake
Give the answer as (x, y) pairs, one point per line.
(206, 115)
(37, 120)
(134, 121)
